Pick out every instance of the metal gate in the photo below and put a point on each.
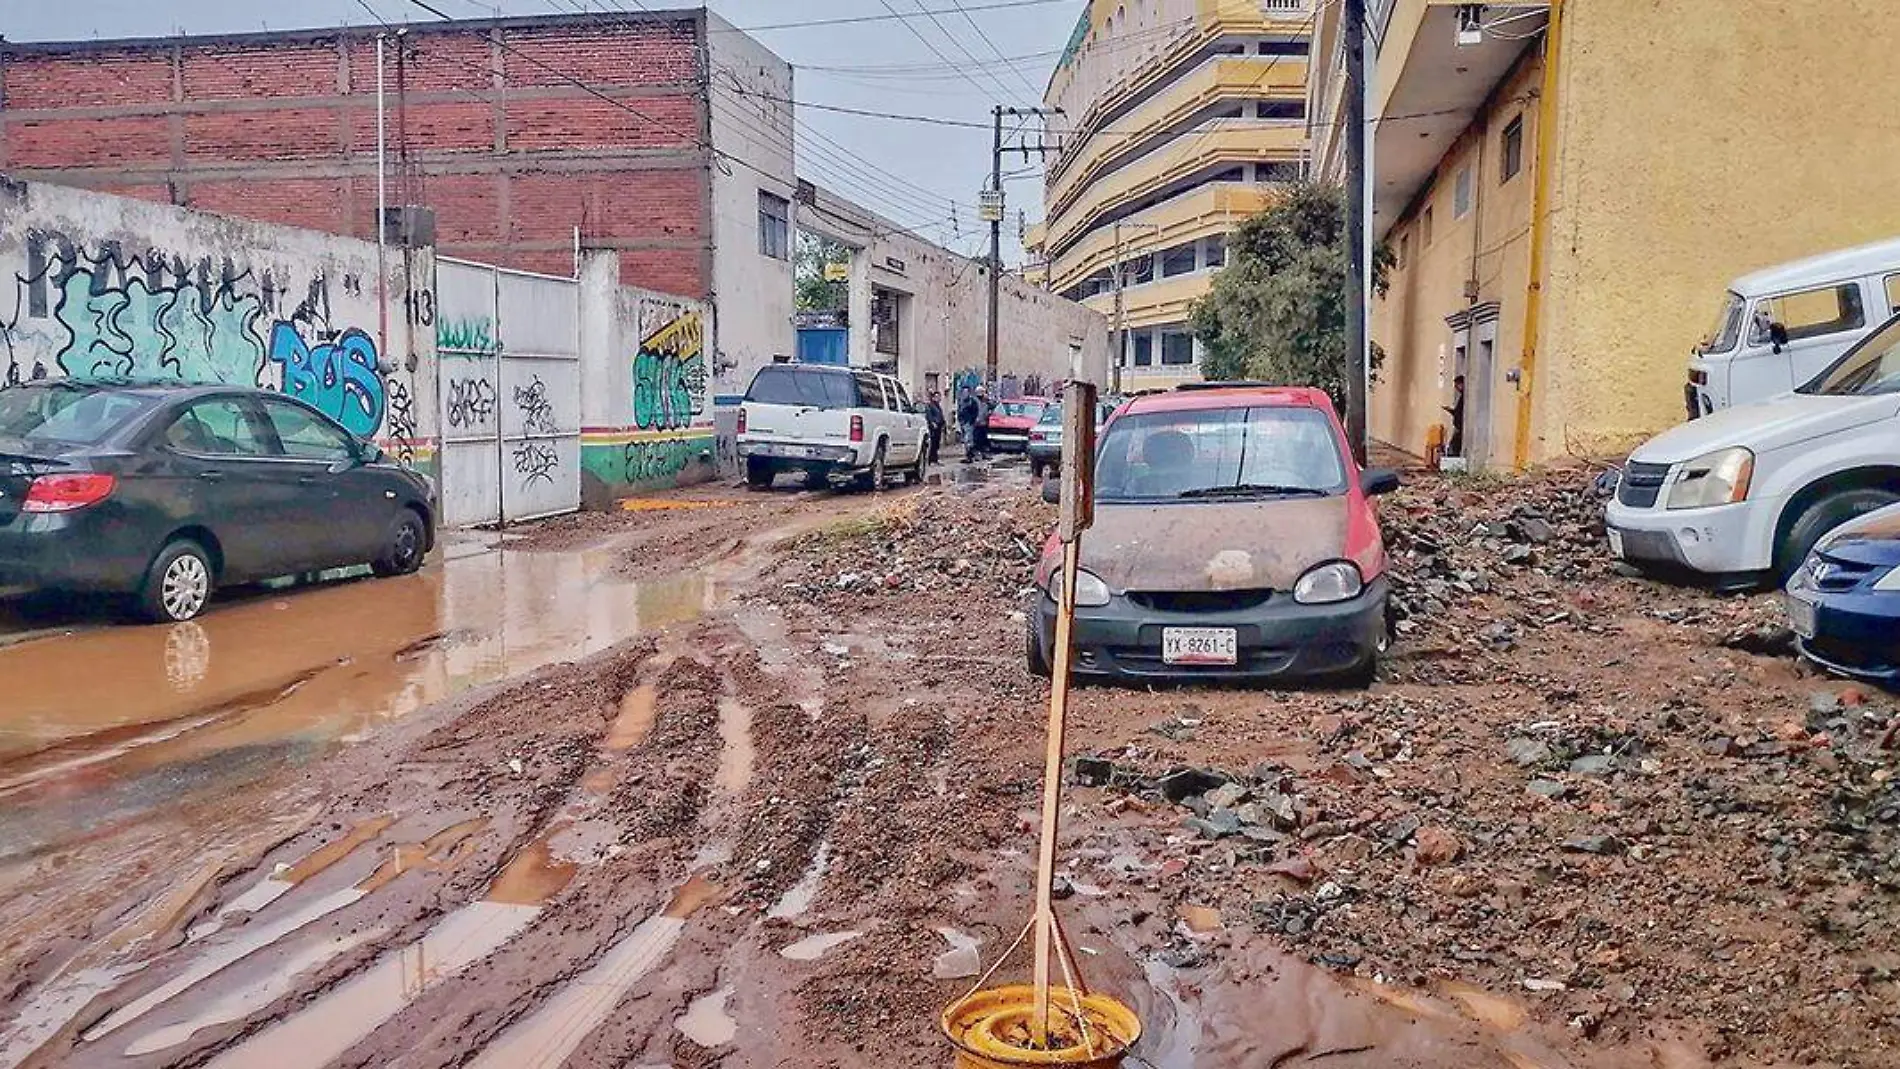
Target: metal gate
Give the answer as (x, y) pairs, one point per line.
(508, 351)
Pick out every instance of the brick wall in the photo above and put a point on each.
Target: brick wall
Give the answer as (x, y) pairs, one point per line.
(508, 151)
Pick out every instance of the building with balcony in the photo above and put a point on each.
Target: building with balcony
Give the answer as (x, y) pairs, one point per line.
(1179, 118)
(1570, 185)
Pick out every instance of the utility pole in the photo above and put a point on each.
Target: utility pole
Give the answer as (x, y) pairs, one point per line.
(991, 209)
(1121, 332)
(995, 216)
(1352, 30)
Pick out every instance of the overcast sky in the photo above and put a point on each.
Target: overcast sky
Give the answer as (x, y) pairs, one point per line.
(932, 164)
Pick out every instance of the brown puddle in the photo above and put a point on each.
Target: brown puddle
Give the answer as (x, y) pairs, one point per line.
(546, 1037)
(534, 876)
(630, 728)
(312, 666)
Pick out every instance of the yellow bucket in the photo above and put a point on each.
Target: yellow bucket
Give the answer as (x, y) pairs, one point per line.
(990, 1029)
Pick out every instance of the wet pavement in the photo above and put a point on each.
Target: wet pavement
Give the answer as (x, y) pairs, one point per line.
(104, 722)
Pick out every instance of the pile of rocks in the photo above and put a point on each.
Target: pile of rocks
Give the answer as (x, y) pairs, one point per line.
(1450, 540)
(982, 547)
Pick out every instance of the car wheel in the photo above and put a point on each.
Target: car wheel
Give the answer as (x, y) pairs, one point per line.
(1034, 656)
(178, 585)
(404, 550)
(758, 473)
(915, 476)
(1821, 517)
(874, 479)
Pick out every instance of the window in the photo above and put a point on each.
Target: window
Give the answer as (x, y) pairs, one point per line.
(1728, 327)
(780, 385)
(1258, 452)
(1216, 251)
(1461, 193)
(1868, 369)
(904, 403)
(1144, 350)
(57, 412)
(1893, 293)
(1425, 229)
(1282, 109)
(775, 226)
(1177, 261)
(216, 427)
(1809, 313)
(1284, 171)
(1511, 149)
(1177, 349)
(1283, 48)
(306, 437)
(1405, 250)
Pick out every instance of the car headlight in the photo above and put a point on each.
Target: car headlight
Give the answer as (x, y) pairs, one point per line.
(1090, 591)
(1337, 581)
(1718, 478)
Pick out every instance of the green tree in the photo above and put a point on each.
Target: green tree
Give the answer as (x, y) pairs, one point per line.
(1277, 310)
(812, 292)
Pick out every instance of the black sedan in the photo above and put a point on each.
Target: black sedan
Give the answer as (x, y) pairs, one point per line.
(165, 492)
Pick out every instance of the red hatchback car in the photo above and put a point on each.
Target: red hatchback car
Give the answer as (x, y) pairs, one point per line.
(1234, 538)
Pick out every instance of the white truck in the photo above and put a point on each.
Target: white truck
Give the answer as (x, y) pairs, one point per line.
(835, 424)
(1781, 326)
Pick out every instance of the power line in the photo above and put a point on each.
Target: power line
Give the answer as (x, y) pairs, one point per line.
(997, 52)
(1003, 5)
(1005, 90)
(928, 43)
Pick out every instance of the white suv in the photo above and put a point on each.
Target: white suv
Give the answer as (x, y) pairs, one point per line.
(833, 423)
(1751, 489)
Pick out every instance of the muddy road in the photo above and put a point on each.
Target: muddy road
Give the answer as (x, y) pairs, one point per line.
(749, 780)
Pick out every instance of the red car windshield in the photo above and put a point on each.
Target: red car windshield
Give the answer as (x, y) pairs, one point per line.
(1220, 452)
(1020, 410)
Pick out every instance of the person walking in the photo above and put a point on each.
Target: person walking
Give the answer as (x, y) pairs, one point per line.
(933, 419)
(984, 406)
(968, 410)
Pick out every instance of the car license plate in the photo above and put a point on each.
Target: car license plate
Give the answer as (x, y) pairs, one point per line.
(1801, 614)
(1616, 543)
(1199, 645)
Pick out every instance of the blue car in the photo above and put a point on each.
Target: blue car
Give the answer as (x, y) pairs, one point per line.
(1844, 602)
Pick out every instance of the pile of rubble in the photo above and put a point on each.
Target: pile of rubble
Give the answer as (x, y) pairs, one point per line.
(980, 547)
(1452, 539)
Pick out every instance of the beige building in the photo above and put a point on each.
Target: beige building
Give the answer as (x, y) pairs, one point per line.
(1179, 119)
(1588, 175)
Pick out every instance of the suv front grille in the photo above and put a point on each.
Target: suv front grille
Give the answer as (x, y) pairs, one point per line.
(1642, 484)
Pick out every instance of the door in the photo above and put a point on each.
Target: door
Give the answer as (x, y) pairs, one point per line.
(220, 459)
(1793, 336)
(468, 350)
(345, 503)
(538, 319)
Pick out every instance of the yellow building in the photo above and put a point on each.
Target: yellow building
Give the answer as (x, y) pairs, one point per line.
(1179, 117)
(1589, 175)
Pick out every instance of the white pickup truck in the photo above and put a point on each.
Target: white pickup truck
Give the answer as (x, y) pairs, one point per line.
(835, 424)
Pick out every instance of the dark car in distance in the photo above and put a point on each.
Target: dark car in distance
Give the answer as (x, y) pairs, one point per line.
(165, 492)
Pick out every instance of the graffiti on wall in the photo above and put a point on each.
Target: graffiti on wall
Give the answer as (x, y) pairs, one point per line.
(669, 375)
(104, 309)
(535, 407)
(536, 462)
(472, 334)
(663, 461)
(471, 403)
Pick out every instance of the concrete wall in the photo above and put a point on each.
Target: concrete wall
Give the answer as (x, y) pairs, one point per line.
(1700, 140)
(109, 286)
(281, 127)
(752, 134)
(646, 405)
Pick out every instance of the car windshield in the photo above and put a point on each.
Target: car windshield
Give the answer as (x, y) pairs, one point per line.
(806, 387)
(1052, 414)
(1872, 367)
(61, 413)
(1220, 452)
(1021, 409)
(1728, 327)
